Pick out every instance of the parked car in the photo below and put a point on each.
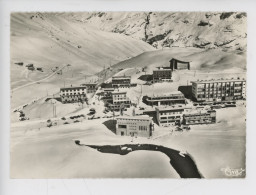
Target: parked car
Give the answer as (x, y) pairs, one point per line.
(178, 129)
(186, 127)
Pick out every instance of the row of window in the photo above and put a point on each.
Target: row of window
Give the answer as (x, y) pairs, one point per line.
(170, 117)
(197, 117)
(198, 121)
(72, 93)
(219, 95)
(143, 128)
(71, 90)
(121, 100)
(118, 103)
(170, 113)
(160, 98)
(135, 120)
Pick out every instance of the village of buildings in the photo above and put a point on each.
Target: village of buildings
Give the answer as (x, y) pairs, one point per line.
(171, 103)
(176, 110)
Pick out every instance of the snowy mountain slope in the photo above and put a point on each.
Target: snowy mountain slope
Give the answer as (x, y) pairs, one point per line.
(226, 30)
(48, 40)
(200, 59)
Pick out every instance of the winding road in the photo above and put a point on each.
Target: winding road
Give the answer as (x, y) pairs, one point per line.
(34, 82)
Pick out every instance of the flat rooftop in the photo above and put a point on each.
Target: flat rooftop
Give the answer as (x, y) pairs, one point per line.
(121, 77)
(141, 117)
(198, 112)
(119, 92)
(173, 93)
(84, 84)
(69, 88)
(163, 70)
(167, 108)
(218, 80)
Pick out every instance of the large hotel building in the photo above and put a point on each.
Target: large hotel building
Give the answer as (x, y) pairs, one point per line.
(166, 99)
(219, 90)
(72, 94)
(201, 117)
(120, 99)
(167, 116)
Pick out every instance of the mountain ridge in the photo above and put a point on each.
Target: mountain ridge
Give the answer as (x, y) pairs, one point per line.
(225, 30)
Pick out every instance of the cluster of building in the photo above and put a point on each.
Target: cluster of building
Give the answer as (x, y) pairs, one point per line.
(170, 109)
(116, 96)
(164, 74)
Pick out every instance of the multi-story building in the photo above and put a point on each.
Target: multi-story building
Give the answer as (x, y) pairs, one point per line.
(201, 117)
(167, 99)
(90, 87)
(73, 94)
(167, 116)
(134, 126)
(219, 90)
(120, 99)
(121, 81)
(162, 75)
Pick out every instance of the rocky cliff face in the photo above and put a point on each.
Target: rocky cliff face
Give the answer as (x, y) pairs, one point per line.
(226, 30)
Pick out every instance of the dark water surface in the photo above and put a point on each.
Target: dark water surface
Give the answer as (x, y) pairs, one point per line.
(184, 166)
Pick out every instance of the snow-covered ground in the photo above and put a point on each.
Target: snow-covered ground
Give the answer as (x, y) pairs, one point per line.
(51, 152)
(38, 151)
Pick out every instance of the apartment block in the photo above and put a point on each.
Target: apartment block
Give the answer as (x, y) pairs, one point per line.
(219, 90)
(73, 94)
(121, 81)
(201, 117)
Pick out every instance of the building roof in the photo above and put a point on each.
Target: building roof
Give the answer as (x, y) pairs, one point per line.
(141, 117)
(163, 70)
(218, 80)
(119, 92)
(179, 60)
(68, 88)
(108, 89)
(173, 93)
(164, 67)
(198, 112)
(167, 108)
(85, 84)
(121, 77)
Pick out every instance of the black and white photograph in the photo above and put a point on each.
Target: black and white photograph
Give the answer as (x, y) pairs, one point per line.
(144, 94)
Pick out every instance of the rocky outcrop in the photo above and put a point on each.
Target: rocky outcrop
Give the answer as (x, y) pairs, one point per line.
(179, 29)
(203, 23)
(225, 15)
